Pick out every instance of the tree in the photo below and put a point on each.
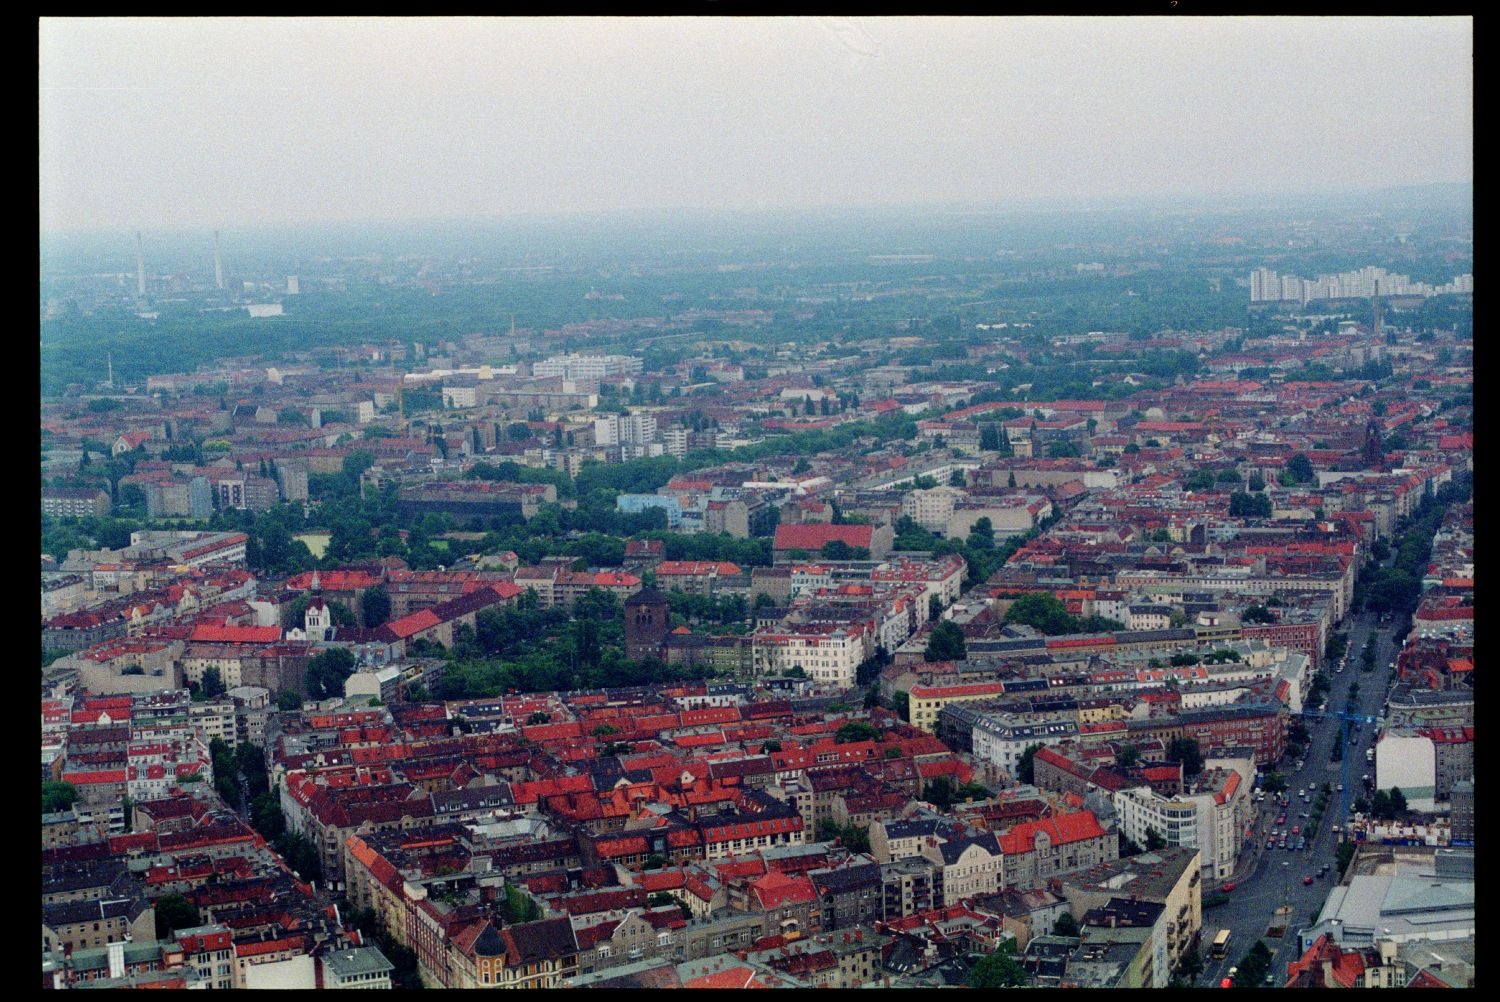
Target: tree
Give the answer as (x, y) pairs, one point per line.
(934, 608)
(213, 683)
(375, 606)
(999, 970)
(1301, 469)
(982, 535)
(1343, 855)
(837, 549)
(327, 673)
(288, 701)
(173, 911)
(58, 796)
(946, 643)
(1154, 841)
(1065, 925)
(1185, 750)
(1275, 782)
(417, 693)
(1244, 505)
(266, 817)
(1128, 756)
(855, 730)
(1026, 765)
(1043, 611)
(1398, 800)
(989, 438)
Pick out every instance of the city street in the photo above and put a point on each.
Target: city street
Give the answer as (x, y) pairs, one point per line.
(1270, 879)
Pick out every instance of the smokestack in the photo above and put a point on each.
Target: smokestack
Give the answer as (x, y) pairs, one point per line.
(218, 264)
(140, 265)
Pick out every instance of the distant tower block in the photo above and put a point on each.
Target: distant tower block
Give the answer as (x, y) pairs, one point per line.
(140, 265)
(293, 286)
(1378, 324)
(218, 264)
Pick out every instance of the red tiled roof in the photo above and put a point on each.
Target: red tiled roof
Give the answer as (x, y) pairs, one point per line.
(813, 535)
(1061, 829)
(206, 633)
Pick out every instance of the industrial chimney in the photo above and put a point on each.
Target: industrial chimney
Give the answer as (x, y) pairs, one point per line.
(140, 265)
(218, 264)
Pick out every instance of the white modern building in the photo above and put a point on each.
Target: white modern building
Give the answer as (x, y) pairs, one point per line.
(587, 366)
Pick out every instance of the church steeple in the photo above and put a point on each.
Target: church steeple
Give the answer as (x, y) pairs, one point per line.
(317, 619)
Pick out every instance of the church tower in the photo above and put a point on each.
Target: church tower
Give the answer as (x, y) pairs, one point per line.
(648, 620)
(318, 619)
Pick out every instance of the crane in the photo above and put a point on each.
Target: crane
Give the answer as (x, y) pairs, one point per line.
(1345, 719)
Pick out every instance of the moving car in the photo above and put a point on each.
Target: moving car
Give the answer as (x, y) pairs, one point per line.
(1281, 819)
(1227, 887)
(1322, 870)
(1307, 879)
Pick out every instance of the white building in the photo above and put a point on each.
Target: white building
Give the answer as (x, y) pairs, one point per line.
(626, 429)
(931, 508)
(587, 366)
(1209, 820)
(458, 397)
(830, 657)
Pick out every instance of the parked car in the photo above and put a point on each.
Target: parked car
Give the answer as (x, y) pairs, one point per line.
(1301, 843)
(1281, 819)
(1307, 879)
(1227, 887)
(1322, 870)
(1296, 829)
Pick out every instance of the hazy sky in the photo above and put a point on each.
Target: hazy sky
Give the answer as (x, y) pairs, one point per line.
(165, 123)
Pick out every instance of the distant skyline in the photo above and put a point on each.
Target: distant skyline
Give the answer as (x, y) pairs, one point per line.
(172, 123)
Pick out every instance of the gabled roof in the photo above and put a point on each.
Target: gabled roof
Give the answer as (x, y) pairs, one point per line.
(1060, 830)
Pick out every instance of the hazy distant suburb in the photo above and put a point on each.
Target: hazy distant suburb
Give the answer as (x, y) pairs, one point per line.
(218, 122)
